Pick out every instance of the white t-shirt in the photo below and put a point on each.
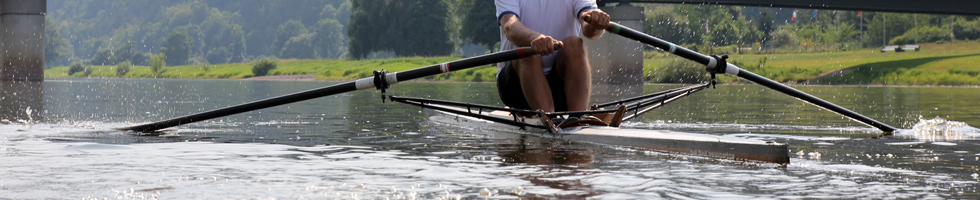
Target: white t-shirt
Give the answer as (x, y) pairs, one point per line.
(555, 18)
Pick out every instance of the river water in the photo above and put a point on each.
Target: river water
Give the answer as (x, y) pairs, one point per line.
(60, 143)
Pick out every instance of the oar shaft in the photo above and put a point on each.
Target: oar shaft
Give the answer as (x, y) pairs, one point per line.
(360, 84)
(250, 106)
(803, 96)
(733, 70)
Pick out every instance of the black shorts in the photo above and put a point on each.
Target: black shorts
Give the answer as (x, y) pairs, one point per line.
(509, 88)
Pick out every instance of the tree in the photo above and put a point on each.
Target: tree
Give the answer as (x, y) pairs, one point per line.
(126, 52)
(425, 33)
(102, 57)
(480, 24)
(177, 47)
(218, 55)
(227, 45)
(299, 47)
(54, 44)
(224, 38)
(328, 38)
(91, 25)
(381, 25)
(895, 24)
(366, 17)
(340, 13)
(783, 37)
(287, 31)
(157, 63)
(669, 23)
(123, 53)
(140, 58)
(234, 38)
(765, 24)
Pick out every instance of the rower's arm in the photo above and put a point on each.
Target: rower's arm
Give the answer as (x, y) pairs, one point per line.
(516, 32)
(521, 35)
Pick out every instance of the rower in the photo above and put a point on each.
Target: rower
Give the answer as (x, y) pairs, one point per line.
(553, 80)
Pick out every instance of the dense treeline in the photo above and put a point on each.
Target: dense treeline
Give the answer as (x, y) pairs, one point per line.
(404, 27)
(108, 32)
(811, 30)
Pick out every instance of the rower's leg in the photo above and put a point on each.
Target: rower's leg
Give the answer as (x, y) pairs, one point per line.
(573, 67)
(535, 85)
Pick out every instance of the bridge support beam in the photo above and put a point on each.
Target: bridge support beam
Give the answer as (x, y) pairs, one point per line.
(22, 40)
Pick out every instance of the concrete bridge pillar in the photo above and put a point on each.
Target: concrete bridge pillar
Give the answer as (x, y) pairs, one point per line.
(617, 62)
(22, 100)
(22, 39)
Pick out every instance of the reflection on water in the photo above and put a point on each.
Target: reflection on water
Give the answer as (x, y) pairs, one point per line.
(22, 101)
(352, 146)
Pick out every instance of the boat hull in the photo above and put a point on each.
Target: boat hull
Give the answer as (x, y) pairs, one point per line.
(696, 144)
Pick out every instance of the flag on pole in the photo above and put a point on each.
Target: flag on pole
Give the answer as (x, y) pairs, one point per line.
(706, 29)
(794, 15)
(859, 13)
(814, 13)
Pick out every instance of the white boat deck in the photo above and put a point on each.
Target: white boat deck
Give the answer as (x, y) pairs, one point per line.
(715, 146)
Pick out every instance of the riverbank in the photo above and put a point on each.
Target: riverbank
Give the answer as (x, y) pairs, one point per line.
(935, 64)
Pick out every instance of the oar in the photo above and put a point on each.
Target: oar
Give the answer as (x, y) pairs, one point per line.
(714, 65)
(381, 80)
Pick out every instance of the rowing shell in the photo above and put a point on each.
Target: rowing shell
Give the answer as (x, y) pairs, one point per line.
(714, 146)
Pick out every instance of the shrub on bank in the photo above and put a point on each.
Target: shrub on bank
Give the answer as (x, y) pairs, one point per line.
(123, 68)
(925, 34)
(157, 63)
(88, 70)
(75, 68)
(678, 71)
(262, 67)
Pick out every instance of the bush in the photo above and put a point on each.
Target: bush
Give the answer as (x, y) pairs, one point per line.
(782, 37)
(964, 72)
(926, 34)
(75, 68)
(678, 71)
(262, 67)
(157, 63)
(123, 68)
(88, 71)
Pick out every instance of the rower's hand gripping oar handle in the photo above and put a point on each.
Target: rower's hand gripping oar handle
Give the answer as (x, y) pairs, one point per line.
(712, 67)
(381, 82)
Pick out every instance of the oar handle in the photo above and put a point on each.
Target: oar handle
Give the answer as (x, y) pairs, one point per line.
(715, 65)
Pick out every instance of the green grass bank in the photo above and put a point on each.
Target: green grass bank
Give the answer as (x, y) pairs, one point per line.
(935, 64)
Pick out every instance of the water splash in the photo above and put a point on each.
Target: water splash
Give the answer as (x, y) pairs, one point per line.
(939, 129)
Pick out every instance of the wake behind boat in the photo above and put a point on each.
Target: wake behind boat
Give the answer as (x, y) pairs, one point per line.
(501, 119)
